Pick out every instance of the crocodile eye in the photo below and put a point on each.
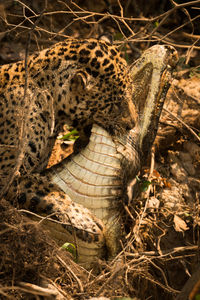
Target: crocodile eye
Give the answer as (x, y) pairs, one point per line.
(128, 127)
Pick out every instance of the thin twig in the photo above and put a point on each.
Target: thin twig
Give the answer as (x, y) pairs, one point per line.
(73, 274)
(167, 252)
(183, 123)
(24, 115)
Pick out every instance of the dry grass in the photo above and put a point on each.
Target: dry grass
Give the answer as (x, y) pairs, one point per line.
(161, 248)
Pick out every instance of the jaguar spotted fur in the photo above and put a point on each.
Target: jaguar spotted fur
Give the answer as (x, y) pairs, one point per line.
(79, 82)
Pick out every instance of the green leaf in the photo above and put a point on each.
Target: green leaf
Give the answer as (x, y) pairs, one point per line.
(138, 178)
(126, 57)
(144, 185)
(195, 72)
(118, 36)
(156, 24)
(197, 297)
(71, 136)
(70, 248)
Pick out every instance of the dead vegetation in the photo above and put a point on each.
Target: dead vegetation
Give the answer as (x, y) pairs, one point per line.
(161, 249)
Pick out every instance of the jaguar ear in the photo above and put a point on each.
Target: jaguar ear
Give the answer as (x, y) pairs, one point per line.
(106, 37)
(78, 81)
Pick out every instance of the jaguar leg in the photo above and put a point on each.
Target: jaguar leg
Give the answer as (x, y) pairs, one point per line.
(66, 220)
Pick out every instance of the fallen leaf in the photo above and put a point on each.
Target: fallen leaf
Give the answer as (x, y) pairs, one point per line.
(179, 224)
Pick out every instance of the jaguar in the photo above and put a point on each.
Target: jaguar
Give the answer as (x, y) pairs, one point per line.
(81, 83)
(78, 82)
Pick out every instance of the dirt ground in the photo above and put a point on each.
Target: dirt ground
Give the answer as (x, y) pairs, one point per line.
(161, 249)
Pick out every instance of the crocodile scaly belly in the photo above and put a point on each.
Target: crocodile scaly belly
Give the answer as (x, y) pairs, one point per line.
(94, 178)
